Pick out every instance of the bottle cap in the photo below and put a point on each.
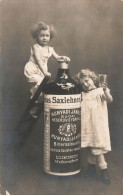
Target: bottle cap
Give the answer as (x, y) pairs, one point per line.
(63, 64)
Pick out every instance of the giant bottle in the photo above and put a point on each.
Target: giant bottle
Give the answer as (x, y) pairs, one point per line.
(62, 124)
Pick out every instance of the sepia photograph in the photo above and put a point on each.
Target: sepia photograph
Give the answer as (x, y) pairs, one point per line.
(61, 97)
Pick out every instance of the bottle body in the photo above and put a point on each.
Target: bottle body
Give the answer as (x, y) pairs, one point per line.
(62, 126)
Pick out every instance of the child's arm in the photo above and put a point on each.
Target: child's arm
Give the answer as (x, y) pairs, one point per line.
(57, 57)
(39, 62)
(107, 96)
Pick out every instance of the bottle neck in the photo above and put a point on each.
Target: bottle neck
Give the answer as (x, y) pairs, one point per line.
(63, 73)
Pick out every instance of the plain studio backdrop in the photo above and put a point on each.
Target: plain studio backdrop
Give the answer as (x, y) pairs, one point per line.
(90, 32)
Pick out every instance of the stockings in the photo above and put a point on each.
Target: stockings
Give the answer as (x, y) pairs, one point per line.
(97, 159)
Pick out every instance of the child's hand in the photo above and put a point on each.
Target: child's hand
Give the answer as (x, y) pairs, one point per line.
(48, 74)
(64, 58)
(104, 86)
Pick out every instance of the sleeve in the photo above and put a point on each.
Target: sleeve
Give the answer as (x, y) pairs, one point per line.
(51, 50)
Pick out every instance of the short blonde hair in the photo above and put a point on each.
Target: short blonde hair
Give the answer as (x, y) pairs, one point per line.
(35, 30)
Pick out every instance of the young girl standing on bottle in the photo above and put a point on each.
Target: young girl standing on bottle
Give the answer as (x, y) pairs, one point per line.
(95, 129)
(36, 69)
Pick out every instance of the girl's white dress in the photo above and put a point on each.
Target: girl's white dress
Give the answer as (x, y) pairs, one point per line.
(32, 70)
(95, 127)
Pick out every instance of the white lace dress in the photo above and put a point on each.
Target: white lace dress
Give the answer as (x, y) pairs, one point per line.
(32, 70)
(95, 128)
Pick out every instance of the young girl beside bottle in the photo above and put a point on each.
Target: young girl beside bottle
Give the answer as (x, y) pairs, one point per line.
(94, 119)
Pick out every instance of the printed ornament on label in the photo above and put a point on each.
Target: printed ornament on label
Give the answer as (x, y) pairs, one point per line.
(67, 129)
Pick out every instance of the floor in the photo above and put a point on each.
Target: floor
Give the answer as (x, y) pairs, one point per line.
(22, 169)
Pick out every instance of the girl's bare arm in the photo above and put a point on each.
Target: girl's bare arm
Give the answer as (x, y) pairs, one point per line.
(107, 96)
(57, 57)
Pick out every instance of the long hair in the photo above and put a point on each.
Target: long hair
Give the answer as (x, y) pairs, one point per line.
(87, 73)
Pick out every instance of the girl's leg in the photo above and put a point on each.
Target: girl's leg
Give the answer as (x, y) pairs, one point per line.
(103, 169)
(91, 171)
(101, 162)
(33, 90)
(37, 79)
(91, 157)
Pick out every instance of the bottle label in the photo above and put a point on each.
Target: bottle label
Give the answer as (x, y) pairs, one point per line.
(62, 134)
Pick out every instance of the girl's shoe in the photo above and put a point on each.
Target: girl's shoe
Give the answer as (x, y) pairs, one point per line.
(33, 112)
(105, 177)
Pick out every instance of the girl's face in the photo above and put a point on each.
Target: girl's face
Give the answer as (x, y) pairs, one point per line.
(87, 83)
(43, 37)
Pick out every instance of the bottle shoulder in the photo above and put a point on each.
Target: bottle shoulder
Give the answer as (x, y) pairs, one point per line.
(60, 88)
(63, 84)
